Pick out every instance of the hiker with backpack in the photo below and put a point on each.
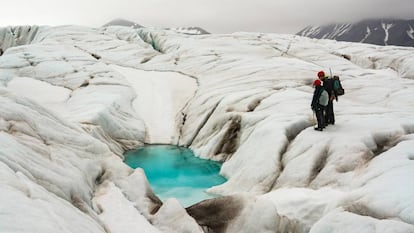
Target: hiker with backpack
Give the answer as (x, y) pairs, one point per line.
(320, 100)
(331, 85)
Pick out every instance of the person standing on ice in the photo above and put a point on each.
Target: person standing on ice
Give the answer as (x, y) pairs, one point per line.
(319, 101)
(328, 85)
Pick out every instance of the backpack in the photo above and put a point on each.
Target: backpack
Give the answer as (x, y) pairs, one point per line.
(337, 86)
(324, 98)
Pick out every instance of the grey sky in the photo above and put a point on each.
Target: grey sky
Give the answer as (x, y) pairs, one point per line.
(216, 16)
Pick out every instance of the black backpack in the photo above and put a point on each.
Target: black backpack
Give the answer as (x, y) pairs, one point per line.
(337, 86)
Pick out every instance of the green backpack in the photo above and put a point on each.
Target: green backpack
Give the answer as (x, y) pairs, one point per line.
(337, 86)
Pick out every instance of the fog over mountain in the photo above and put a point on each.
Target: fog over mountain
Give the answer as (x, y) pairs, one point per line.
(214, 16)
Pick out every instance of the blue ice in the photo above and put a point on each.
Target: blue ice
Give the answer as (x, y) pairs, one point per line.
(175, 172)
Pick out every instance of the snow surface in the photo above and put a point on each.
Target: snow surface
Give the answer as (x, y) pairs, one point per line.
(168, 92)
(73, 99)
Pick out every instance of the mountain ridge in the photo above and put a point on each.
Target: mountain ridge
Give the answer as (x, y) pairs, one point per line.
(122, 22)
(184, 30)
(398, 32)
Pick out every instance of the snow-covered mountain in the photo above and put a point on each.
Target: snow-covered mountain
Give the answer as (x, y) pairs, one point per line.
(379, 32)
(74, 99)
(185, 30)
(190, 30)
(122, 22)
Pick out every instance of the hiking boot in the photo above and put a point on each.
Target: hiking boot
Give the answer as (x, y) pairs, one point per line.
(318, 129)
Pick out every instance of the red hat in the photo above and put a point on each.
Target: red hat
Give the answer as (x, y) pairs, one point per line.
(317, 82)
(321, 74)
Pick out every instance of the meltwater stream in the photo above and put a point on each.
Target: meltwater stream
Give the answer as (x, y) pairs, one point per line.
(175, 172)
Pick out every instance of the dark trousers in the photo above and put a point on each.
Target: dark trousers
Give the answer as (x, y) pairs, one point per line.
(329, 113)
(319, 111)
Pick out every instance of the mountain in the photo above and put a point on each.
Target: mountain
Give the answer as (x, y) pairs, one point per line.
(184, 30)
(373, 31)
(74, 99)
(122, 22)
(189, 30)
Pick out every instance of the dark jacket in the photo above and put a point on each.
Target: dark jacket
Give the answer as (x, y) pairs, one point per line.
(315, 100)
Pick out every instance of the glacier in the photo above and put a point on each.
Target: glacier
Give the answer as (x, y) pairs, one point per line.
(74, 99)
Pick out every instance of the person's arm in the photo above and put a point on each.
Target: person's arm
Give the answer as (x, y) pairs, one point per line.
(333, 96)
(314, 100)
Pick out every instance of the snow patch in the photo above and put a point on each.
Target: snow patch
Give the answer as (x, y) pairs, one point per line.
(386, 27)
(161, 97)
(410, 32)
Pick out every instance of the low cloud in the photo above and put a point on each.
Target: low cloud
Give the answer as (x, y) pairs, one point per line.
(217, 16)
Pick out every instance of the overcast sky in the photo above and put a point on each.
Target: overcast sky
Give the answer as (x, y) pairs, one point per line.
(216, 16)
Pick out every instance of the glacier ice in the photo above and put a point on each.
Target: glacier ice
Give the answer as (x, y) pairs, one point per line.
(74, 99)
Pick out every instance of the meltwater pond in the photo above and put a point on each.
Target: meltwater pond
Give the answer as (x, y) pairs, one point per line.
(175, 172)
